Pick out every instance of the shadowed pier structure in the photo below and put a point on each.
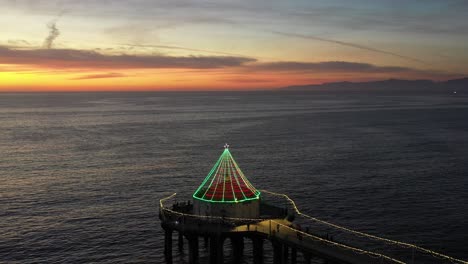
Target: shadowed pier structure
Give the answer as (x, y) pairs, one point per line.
(226, 207)
(285, 239)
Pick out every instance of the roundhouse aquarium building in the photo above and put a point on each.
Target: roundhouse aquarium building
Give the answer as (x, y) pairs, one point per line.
(226, 191)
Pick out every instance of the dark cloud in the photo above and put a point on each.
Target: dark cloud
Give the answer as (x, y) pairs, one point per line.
(53, 34)
(329, 66)
(349, 44)
(100, 76)
(69, 58)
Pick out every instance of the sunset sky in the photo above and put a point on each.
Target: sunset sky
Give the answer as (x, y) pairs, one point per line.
(139, 45)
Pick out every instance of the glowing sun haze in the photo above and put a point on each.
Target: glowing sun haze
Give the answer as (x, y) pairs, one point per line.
(214, 45)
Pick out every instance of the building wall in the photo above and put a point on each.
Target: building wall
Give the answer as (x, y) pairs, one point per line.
(247, 209)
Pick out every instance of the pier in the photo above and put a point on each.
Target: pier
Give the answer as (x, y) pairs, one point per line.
(286, 239)
(227, 207)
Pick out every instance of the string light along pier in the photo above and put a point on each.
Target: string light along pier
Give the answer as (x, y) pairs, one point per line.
(226, 206)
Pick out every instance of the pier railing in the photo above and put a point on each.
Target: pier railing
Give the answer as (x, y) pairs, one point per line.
(185, 215)
(407, 252)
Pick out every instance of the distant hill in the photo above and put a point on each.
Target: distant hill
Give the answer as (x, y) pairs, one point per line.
(391, 85)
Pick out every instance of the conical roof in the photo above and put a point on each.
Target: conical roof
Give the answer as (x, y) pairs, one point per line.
(226, 183)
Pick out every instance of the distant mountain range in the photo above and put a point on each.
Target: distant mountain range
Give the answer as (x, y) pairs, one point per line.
(391, 85)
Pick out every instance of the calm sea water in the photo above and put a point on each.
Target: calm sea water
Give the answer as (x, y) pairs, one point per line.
(82, 174)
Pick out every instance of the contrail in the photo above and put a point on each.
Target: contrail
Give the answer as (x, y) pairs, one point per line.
(349, 44)
(53, 34)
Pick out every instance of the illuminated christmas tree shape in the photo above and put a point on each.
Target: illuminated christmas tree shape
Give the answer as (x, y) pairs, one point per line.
(226, 183)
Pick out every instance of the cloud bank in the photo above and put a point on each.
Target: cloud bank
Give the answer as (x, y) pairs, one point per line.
(82, 60)
(70, 58)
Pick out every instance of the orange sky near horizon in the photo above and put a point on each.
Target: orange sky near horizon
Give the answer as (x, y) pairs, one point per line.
(40, 80)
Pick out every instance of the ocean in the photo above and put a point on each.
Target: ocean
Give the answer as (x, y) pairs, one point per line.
(82, 173)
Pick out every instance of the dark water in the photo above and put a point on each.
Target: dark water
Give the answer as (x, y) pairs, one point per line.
(81, 174)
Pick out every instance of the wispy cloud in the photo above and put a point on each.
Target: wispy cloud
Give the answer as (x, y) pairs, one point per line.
(18, 43)
(349, 44)
(184, 48)
(246, 79)
(329, 66)
(100, 76)
(346, 67)
(69, 58)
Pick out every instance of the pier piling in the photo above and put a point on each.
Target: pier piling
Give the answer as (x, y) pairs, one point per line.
(193, 249)
(205, 241)
(237, 248)
(285, 255)
(216, 249)
(293, 255)
(277, 252)
(168, 245)
(257, 250)
(180, 242)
